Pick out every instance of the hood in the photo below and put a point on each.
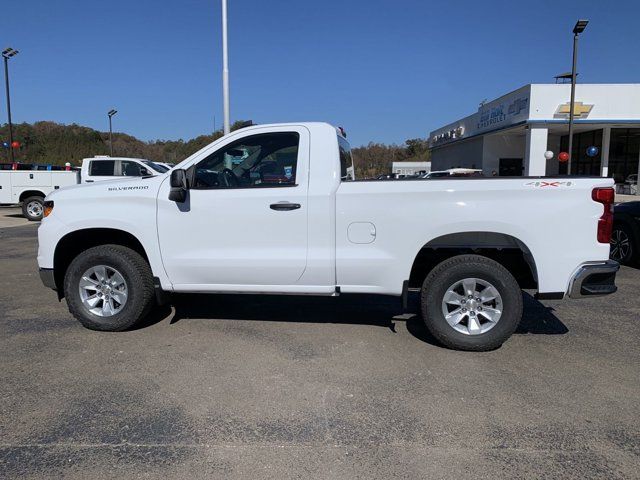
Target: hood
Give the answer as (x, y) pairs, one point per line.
(137, 185)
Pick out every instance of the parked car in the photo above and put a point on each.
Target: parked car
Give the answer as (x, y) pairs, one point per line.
(268, 225)
(166, 165)
(454, 172)
(103, 167)
(625, 237)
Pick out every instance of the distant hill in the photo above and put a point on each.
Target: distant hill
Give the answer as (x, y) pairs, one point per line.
(55, 144)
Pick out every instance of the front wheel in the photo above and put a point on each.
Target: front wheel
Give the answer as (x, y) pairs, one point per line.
(109, 288)
(470, 302)
(33, 208)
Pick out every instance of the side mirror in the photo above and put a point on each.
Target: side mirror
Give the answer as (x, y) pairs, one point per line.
(179, 187)
(144, 172)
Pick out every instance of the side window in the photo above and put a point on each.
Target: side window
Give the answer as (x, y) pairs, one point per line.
(263, 160)
(347, 173)
(130, 169)
(102, 168)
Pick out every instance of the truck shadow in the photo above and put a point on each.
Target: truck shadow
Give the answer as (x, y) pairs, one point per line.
(374, 310)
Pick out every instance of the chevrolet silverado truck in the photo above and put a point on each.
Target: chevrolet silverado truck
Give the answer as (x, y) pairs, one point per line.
(275, 209)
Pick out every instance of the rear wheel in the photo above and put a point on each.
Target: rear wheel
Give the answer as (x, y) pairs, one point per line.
(622, 247)
(470, 302)
(33, 208)
(109, 287)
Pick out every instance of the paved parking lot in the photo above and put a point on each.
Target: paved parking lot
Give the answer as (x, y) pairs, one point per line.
(276, 387)
(12, 217)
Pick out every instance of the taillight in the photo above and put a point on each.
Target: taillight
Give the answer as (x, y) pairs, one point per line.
(605, 196)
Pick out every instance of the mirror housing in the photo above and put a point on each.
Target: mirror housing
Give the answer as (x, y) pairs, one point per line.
(144, 171)
(179, 186)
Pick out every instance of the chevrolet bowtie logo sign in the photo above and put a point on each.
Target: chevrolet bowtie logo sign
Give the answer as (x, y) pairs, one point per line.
(580, 110)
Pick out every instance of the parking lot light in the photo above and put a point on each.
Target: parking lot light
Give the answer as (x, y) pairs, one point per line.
(578, 29)
(111, 113)
(7, 53)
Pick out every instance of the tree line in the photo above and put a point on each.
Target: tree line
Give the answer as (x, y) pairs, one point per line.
(52, 143)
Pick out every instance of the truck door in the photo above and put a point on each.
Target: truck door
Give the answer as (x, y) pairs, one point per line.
(245, 218)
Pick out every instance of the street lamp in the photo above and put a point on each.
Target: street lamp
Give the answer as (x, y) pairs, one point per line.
(7, 53)
(578, 29)
(111, 113)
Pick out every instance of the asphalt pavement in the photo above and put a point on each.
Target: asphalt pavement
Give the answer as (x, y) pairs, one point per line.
(262, 387)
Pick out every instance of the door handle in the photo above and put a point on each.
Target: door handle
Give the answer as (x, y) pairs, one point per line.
(89, 181)
(281, 206)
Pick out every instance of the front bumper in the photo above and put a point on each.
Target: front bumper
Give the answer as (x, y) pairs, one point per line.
(48, 278)
(594, 279)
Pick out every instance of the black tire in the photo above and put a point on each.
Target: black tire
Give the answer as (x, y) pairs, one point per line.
(623, 244)
(455, 269)
(28, 212)
(137, 275)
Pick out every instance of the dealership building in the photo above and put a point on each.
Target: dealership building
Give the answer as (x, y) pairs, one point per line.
(510, 135)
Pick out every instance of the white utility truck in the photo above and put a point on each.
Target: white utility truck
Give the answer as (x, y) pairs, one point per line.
(274, 209)
(28, 188)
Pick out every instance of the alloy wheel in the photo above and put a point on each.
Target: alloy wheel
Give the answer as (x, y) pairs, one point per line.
(472, 306)
(103, 290)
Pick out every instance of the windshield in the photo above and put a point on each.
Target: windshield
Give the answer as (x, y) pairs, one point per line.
(155, 166)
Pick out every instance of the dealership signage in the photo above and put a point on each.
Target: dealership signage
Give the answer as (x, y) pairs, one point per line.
(499, 114)
(507, 110)
(580, 110)
(448, 135)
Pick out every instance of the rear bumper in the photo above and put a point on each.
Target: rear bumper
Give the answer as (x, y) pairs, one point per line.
(47, 277)
(594, 279)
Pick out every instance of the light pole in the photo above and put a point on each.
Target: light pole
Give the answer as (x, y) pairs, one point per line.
(111, 113)
(578, 29)
(225, 69)
(7, 53)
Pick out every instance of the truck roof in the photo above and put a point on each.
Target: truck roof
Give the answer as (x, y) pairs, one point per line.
(310, 125)
(107, 157)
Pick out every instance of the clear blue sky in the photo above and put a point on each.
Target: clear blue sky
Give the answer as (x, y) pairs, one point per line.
(385, 70)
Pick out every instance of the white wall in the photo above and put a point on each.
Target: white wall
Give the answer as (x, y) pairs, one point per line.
(501, 146)
(460, 154)
(610, 101)
(536, 144)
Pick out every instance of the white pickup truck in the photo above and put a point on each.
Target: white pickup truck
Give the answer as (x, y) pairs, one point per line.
(28, 188)
(275, 209)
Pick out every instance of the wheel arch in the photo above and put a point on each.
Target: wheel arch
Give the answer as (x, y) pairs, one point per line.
(76, 242)
(30, 193)
(509, 251)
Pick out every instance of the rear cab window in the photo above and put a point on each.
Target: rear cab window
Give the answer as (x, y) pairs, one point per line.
(102, 168)
(347, 173)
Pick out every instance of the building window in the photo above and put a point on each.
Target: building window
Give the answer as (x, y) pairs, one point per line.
(624, 153)
(581, 163)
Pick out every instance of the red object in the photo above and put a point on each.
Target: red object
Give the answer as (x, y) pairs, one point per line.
(15, 144)
(563, 156)
(605, 196)
(14, 166)
(67, 167)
